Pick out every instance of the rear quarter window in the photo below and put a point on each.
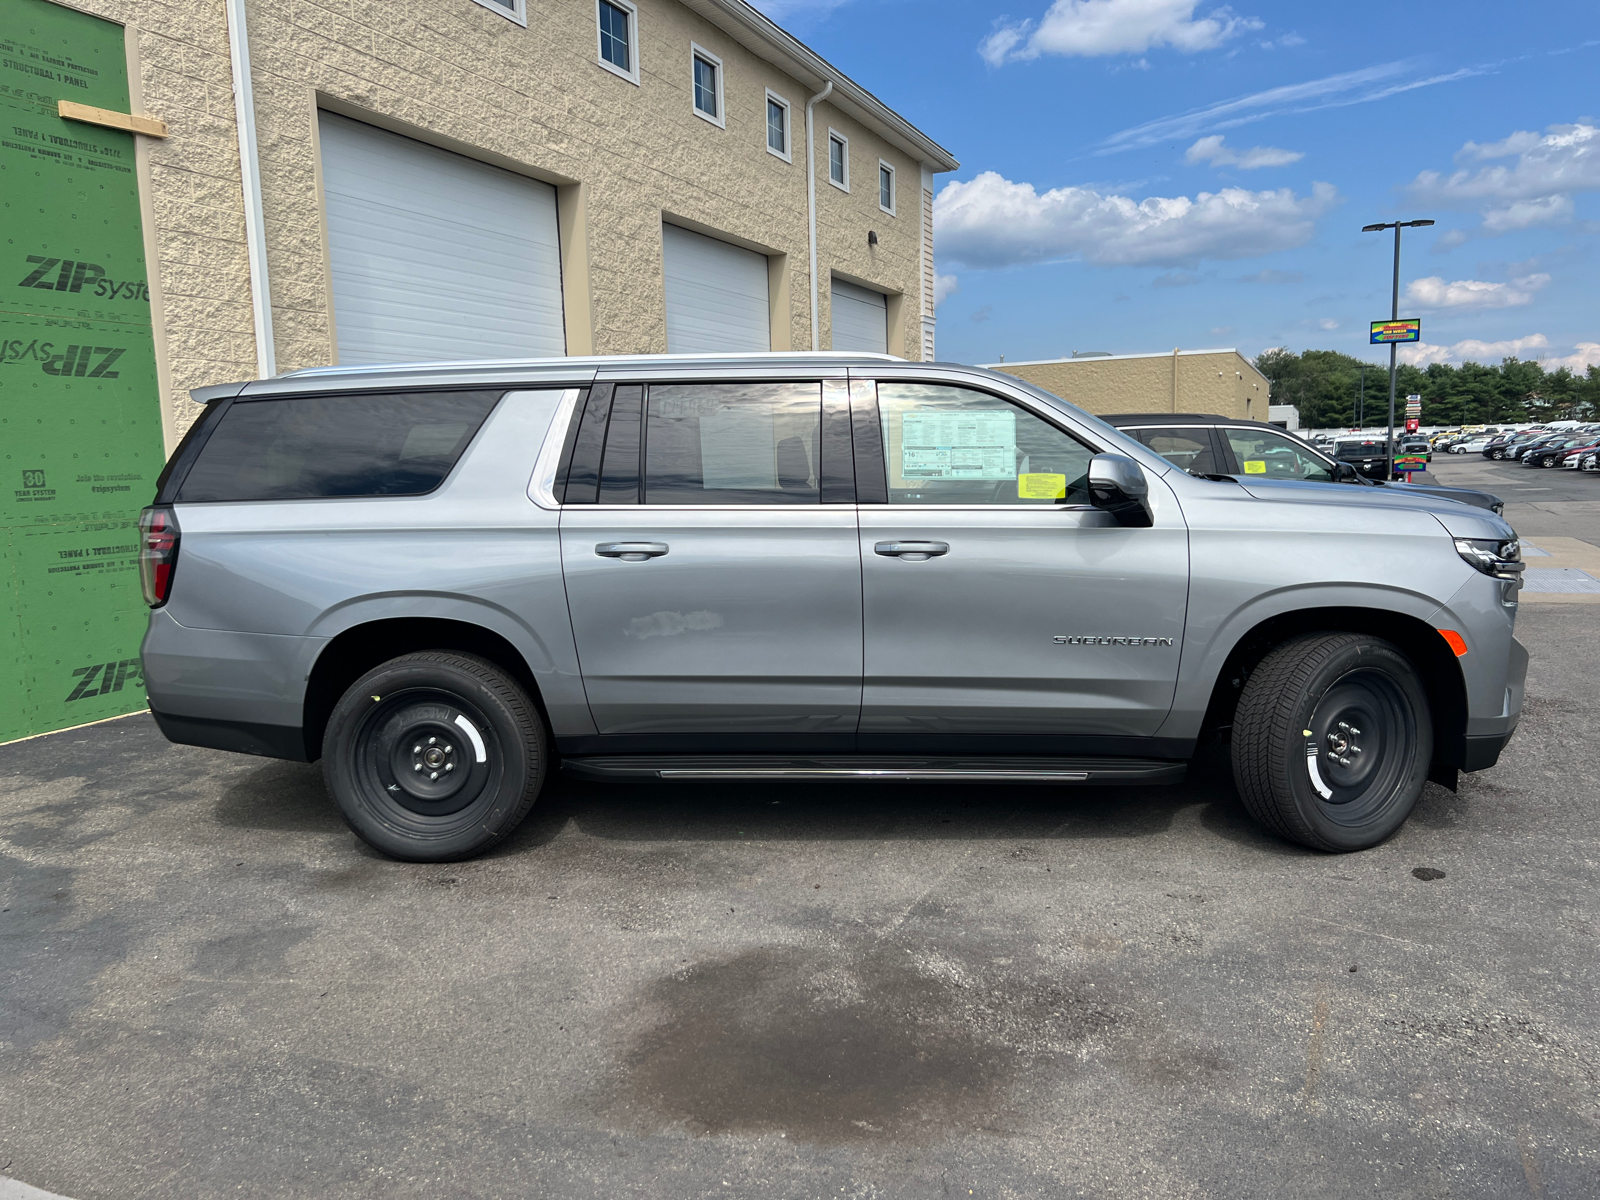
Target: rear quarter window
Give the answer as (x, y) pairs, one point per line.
(324, 447)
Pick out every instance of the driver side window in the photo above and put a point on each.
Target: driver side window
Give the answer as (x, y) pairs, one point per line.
(953, 445)
(1274, 456)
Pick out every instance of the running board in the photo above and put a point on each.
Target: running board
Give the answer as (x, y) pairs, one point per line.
(920, 769)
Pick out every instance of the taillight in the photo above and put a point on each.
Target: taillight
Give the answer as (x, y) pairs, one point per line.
(158, 553)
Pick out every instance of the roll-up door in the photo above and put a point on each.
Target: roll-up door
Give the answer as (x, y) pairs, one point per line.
(716, 295)
(860, 318)
(434, 255)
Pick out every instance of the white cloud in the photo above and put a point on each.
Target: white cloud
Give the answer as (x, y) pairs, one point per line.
(1525, 214)
(1536, 190)
(944, 286)
(1588, 355)
(1421, 354)
(1211, 149)
(1434, 292)
(992, 222)
(1328, 324)
(1091, 28)
(1332, 91)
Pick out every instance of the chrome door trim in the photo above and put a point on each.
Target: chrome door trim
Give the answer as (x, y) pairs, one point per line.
(542, 487)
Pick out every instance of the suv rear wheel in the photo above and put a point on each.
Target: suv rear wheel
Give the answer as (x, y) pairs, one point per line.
(1332, 740)
(434, 756)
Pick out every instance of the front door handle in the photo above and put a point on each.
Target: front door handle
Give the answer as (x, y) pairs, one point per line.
(912, 551)
(631, 551)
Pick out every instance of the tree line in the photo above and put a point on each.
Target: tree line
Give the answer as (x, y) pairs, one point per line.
(1327, 388)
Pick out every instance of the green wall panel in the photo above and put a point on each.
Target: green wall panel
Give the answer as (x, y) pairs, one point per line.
(80, 415)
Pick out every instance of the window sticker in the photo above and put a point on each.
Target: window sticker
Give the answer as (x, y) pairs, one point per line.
(1040, 485)
(1255, 466)
(958, 445)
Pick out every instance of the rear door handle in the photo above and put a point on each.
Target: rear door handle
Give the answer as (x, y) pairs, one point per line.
(631, 551)
(912, 551)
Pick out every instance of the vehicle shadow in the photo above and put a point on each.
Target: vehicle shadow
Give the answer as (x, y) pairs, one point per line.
(290, 797)
(277, 795)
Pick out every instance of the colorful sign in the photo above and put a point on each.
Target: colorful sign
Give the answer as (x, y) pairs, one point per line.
(1406, 329)
(79, 406)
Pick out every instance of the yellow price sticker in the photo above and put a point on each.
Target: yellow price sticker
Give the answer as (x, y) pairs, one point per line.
(1041, 486)
(1255, 466)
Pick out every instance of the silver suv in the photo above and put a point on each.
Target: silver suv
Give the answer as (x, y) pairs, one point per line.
(445, 579)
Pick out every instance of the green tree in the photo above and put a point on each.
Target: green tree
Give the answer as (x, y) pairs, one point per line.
(1324, 385)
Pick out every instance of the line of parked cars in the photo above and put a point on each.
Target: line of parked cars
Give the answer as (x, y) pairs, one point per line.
(1574, 447)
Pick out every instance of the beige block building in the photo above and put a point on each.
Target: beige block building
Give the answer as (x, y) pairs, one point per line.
(351, 181)
(1188, 381)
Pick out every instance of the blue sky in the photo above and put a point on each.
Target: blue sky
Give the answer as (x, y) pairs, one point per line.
(1143, 174)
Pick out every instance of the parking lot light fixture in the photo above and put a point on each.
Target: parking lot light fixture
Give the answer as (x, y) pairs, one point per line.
(1394, 313)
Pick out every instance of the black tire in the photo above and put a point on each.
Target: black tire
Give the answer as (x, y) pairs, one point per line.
(434, 756)
(1304, 709)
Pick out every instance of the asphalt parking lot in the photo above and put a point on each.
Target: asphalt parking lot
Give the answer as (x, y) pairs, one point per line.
(208, 987)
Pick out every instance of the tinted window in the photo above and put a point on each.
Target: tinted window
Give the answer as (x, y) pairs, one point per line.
(312, 447)
(732, 443)
(951, 445)
(1189, 448)
(1275, 456)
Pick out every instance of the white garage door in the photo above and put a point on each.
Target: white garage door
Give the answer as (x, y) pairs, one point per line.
(716, 295)
(436, 256)
(860, 319)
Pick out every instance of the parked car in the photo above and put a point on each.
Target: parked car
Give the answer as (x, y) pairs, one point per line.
(1551, 454)
(1415, 448)
(1518, 450)
(1205, 443)
(1589, 462)
(445, 580)
(1472, 445)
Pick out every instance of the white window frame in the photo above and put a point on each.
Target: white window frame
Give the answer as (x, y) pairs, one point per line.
(894, 188)
(721, 119)
(835, 136)
(518, 12)
(787, 153)
(633, 41)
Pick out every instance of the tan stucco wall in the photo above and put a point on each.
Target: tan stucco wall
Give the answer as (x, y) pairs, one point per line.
(532, 99)
(1220, 381)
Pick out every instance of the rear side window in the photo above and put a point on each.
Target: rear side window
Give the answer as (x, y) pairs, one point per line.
(1189, 447)
(734, 443)
(322, 447)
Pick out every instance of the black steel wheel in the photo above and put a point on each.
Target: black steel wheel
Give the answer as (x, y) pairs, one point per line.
(434, 756)
(1332, 740)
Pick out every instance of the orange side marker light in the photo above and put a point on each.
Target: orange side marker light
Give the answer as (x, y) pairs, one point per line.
(1457, 642)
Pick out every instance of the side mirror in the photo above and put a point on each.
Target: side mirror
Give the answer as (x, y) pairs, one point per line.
(1343, 472)
(1117, 485)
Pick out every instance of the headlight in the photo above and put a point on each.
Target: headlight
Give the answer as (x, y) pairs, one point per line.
(1503, 560)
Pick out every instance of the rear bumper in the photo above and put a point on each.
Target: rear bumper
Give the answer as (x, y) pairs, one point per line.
(241, 737)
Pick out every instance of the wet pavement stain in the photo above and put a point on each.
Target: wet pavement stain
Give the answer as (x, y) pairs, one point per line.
(881, 1044)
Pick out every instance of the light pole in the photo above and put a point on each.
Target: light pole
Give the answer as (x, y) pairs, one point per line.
(1394, 315)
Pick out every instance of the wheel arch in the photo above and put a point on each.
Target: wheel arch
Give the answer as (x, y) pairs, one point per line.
(358, 649)
(1419, 641)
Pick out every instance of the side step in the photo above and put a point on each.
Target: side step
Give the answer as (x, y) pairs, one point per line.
(922, 769)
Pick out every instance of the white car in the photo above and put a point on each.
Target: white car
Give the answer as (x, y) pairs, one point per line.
(1475, 446)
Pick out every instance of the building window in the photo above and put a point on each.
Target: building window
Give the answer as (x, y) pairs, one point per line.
(778, 126)
(886, 187)
(618, 24)
(707, 81)
(838, 160)
(515, 10)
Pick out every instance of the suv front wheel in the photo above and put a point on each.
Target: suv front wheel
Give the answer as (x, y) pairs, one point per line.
(434, 756)
(1332, 740)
